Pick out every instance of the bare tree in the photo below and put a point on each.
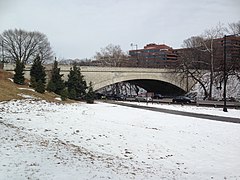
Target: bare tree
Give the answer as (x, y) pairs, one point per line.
(193, 61)
(202, 53)
(24, 46)
(111, 55)
(209, 43)
(234, 28)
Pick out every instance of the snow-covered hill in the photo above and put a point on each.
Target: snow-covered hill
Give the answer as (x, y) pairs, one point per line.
(41, 140)
(233, 89)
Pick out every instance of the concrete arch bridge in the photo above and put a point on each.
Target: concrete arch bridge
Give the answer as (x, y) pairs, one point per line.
(163, 81)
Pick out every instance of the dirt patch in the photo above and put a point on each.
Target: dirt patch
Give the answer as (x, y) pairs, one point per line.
(5, 75)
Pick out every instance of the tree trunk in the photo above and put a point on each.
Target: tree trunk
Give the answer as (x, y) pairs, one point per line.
(201, 83)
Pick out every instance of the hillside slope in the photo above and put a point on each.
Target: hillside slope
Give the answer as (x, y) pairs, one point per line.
(10, 90)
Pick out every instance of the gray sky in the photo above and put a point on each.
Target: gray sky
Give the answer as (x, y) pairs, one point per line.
(79, 28)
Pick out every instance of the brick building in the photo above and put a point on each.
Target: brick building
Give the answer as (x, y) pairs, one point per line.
(232, 51)
(154, 55)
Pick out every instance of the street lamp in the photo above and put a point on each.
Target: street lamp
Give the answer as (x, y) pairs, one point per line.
(224, 69)
(224, 74)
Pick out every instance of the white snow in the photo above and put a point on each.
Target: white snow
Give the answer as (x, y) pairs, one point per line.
(235, 113)
(58, 98)
(41, 140)
(28, 89)
(233, 88)
(27, 96)
(10, 79)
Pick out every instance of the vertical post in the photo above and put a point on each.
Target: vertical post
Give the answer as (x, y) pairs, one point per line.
(2, 53)
(224, 74)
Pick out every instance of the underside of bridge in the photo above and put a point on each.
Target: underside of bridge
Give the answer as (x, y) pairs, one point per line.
(158, 87)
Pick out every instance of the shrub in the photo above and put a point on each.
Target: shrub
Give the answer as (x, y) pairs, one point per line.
(64, 94)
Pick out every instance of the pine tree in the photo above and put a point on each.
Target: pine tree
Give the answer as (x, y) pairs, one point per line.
(76, 84)
(19, 74)
(90, 95)
(40, 87)
(64, 94)
(51, 87)
(72, 94)
(38, 75)
(56, 84)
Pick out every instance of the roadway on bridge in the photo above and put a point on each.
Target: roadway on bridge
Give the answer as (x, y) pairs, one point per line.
(189, 114)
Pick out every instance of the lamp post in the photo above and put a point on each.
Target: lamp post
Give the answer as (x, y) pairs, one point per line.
(224, 74)
(225, 69)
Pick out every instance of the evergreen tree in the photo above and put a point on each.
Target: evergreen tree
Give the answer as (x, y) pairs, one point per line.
(51, 86)
(56, 84)
(64, 94)
(19, 74)
(72, 94)
(38, 75)
(89, 97)
(40, 87)
(76, 84)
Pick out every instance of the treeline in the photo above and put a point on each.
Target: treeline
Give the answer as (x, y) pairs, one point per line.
(74, 88)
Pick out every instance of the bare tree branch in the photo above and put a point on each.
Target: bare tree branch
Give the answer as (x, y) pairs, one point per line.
(234, 28)
(111, 55)
(25, 46)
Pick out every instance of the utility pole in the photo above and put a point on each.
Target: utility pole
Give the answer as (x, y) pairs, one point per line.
(224, 74)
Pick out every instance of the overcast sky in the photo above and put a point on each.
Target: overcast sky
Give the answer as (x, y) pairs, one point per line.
(79, 28)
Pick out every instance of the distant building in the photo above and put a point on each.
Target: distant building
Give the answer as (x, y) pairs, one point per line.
(232, 51)
(163, 56)
(200, 57)
(154, 55)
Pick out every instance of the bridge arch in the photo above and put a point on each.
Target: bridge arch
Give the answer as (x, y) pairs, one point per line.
(104, 76)
(149, 84)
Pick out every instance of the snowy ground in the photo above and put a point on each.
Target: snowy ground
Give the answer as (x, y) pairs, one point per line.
(41, 140)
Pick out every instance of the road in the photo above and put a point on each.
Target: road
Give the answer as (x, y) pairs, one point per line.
(206, 103)
(190, 114)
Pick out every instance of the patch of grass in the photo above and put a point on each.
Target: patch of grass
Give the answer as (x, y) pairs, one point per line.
(10, 90)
